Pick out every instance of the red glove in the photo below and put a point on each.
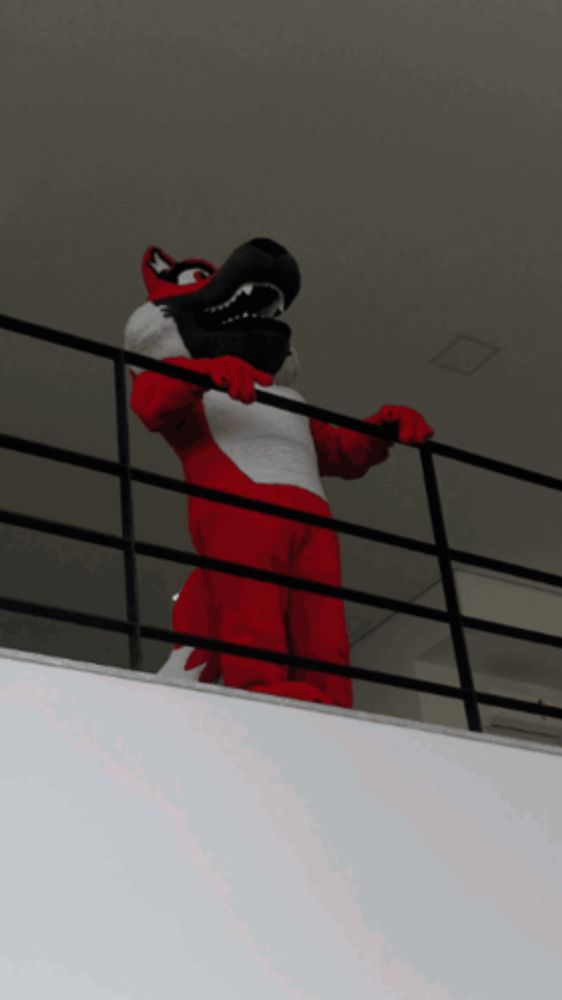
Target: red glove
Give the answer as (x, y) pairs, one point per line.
(411, 425)
(236, 376)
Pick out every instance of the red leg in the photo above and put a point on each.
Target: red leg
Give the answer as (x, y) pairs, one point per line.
(317, 625)
(248, 611)
(243, 610)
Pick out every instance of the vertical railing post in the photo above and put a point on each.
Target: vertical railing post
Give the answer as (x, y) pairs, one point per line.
(450, 590)
(127, 518)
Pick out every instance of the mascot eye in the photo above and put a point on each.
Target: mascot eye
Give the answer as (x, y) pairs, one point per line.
(192, 275)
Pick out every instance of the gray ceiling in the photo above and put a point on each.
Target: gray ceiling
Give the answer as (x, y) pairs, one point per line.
(407, 153)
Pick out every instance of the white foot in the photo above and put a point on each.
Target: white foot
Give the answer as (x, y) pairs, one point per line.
(174, 667)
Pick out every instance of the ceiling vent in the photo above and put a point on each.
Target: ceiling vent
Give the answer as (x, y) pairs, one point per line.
(465, 355)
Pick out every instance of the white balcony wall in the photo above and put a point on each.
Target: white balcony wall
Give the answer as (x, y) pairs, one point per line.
(166, 840)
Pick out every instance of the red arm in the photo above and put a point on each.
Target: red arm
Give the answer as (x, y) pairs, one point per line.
(159, 400)
(344, 452)
(350, 454)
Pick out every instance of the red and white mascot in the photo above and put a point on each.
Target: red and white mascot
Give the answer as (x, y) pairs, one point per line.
(223, 322)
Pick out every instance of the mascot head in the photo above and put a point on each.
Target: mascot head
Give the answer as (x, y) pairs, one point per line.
(197, 310)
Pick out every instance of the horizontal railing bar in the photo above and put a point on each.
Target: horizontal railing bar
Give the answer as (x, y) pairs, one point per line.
(518, 705)
(167, 635)
(282, 579)
(262, 396)
(51, 336)
(512, 631)
(355, 673)
(220, 565)
(155, 551)
(190, 639)
(87, 619)
(386, 432)
(151, 364)
(345, 593)
(278, 510)
(509, 568)
(59, 528)
(109, 467)
(493, 465)
(56, 454)
(109, 351)
(332, 524)
(115, 541)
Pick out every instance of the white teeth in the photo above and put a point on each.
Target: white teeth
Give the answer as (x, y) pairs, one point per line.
(225, 305)
(232, 319)
(276, 307)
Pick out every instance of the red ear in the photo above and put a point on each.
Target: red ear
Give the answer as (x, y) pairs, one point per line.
(155, 263)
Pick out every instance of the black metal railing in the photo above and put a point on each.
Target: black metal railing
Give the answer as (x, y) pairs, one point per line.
(131, 547)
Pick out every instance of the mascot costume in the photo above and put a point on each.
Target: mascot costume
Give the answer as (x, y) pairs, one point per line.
(223, 322)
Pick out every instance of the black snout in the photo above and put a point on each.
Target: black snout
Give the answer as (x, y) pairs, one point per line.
(225, 318)
(258, 260)
(268, 246)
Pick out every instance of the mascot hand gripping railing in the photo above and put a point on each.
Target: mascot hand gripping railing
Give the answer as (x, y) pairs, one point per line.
(224, 323)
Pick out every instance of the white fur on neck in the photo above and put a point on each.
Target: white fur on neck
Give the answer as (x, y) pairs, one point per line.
(150, 332)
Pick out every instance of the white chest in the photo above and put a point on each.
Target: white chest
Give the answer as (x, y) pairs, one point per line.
(267, 444)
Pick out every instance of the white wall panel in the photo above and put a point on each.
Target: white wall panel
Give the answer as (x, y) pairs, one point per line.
(164, 841)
